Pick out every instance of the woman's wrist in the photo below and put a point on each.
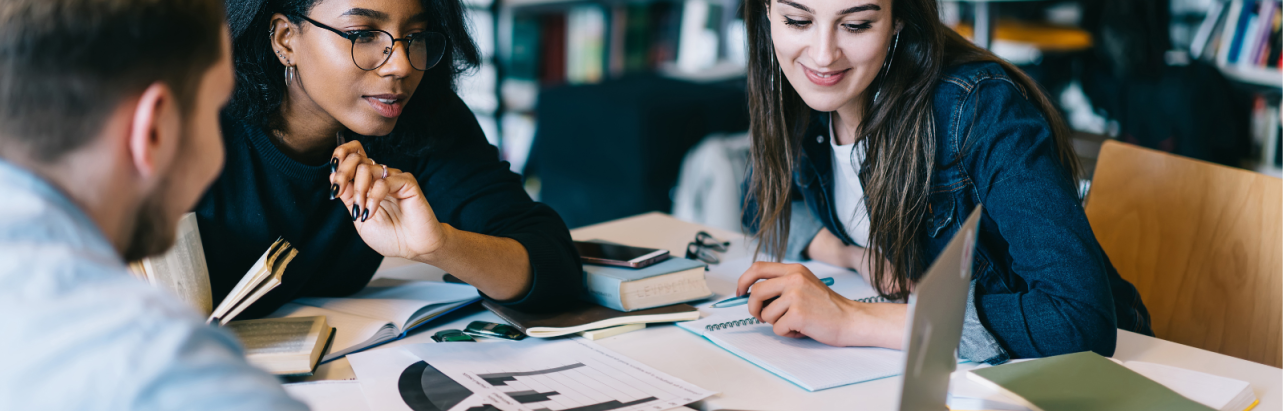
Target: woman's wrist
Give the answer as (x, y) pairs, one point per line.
(875, 325)
(439, 247)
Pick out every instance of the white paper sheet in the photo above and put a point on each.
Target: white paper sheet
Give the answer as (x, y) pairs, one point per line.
(343, 395)
(528, 375)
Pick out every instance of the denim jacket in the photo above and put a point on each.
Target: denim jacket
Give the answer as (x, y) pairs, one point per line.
(1041, 284)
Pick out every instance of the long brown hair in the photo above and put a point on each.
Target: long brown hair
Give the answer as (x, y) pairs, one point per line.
(899, 131)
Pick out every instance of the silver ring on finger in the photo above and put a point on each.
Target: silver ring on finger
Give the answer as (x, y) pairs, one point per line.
(385, 171)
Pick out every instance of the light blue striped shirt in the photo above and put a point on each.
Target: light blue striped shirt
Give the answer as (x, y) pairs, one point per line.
(78, 332)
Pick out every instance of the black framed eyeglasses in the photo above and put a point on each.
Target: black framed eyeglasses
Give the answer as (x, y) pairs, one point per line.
(372, 48)
(705, 248)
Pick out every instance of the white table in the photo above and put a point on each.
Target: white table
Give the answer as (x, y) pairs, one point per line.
(744, 386)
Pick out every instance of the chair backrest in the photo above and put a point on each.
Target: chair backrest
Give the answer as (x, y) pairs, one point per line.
(1201, 242)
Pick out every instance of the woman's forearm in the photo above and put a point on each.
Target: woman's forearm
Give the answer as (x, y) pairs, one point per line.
(828, 248)
(498, 267)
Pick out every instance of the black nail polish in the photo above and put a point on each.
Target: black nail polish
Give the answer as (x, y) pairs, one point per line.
(334, 165)
(356, 212)
(365, 214)
(334, 191)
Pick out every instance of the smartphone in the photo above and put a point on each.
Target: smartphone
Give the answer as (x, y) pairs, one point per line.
(619, 255)
(488, 329)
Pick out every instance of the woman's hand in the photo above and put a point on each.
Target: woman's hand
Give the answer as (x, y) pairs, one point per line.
(797, 304)
(391, 214)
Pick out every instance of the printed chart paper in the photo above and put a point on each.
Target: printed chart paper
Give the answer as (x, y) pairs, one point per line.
(533, 375)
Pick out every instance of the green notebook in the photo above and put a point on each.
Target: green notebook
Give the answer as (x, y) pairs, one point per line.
(1081, 381)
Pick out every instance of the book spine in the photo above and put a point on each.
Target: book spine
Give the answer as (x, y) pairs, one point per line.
(1227, 32)
(1240, 30)
(1204, 33)
(604, 291)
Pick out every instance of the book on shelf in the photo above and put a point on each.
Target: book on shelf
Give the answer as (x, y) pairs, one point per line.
(587, 43)
(286, 347)
(1243, 36)
(672, 281)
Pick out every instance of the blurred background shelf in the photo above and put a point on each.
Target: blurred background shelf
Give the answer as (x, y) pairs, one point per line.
(630, 90)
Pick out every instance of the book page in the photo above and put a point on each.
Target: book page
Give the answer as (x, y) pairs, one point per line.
(809, 363)
(252, 278)
(396, 302)
(182, 270)
(351, 331)
(1211, 390)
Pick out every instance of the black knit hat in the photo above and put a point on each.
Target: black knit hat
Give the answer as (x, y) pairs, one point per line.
(240, 13)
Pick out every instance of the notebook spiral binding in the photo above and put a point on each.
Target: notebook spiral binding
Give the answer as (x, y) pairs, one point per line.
(874, 299)
(753, 321)
(731, 324)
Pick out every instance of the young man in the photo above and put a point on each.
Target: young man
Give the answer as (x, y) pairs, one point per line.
(108, 134)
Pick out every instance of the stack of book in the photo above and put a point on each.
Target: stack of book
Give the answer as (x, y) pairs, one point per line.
(1243, 36)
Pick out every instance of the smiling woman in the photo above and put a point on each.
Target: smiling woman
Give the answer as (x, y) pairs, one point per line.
(342, 109)
(893, 128)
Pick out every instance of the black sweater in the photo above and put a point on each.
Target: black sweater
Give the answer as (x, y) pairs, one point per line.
(262, 195)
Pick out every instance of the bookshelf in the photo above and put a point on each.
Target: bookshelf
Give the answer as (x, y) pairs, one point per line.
(1242, 38)
(478, 88)
(532, 45)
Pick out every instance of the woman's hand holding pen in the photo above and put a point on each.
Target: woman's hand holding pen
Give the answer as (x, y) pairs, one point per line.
(387, 205)
(797, 304)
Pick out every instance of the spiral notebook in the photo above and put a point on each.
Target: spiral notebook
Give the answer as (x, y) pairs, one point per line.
(810, 364)
(815, 366)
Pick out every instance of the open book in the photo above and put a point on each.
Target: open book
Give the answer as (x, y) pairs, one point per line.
(262, 277)
(384, 311)
(181, 270)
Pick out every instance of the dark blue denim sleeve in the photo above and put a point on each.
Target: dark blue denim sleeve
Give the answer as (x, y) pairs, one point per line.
(1065, 304)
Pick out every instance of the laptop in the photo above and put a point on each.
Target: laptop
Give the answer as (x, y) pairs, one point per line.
(936, 310)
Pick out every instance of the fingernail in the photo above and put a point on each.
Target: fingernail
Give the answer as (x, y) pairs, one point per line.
(365, 214)
(334, 191)
(334, 165)
(356, 212)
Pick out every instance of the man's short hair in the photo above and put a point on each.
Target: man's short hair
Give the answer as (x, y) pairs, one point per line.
(65, 65)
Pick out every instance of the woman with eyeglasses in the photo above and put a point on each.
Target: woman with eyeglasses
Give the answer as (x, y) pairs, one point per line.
(345, 137)
(894, 128)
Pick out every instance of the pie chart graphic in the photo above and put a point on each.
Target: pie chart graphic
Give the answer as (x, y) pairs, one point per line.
(423, 388)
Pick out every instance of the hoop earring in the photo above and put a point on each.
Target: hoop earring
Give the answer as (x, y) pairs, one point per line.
(289, 75)
(886, 67)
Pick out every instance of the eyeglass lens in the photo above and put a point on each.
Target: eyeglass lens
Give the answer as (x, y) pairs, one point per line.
(708, 241)
(696, 251)
(373, 48)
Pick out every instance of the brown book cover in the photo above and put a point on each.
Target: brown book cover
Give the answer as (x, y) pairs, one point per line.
(585, 316)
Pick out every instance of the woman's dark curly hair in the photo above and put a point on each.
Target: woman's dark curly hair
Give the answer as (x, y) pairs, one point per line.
(260, 77)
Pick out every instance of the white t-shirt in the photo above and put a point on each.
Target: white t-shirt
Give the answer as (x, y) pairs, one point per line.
(848, 193)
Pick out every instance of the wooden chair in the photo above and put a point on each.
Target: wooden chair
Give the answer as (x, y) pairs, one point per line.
(1201, 242)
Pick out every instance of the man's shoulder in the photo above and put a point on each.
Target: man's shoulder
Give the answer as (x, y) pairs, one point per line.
(75, 319)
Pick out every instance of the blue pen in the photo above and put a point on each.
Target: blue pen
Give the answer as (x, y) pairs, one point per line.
(743, 299)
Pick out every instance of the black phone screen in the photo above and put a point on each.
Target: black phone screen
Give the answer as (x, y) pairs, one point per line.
(611, 251)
